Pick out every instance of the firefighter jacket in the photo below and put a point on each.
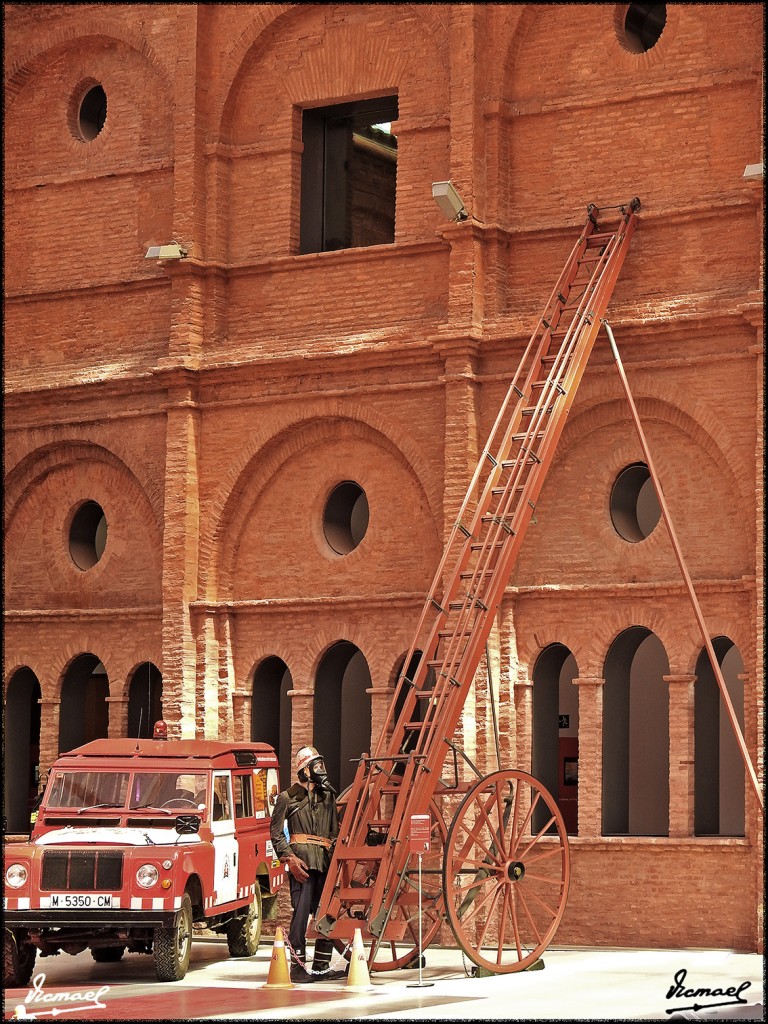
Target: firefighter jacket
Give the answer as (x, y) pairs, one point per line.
(310, 816)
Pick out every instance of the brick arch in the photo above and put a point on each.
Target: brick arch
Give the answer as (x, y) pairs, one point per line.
(38, 463)
(15, 661)
(86, 643)
(529, 650)
(616, 621)
(61, 38)
(323, 79)
(128, 678)
(725, 626)
(239, 491)
(700, 426)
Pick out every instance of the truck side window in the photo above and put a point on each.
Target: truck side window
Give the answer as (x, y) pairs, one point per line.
(243, 796)
(222, 809)
(260, 791)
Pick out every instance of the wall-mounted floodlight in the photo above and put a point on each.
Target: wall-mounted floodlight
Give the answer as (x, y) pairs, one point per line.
(449, 200)
(172, 251)
(754, 172)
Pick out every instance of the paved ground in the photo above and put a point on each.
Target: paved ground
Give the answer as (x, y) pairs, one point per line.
(576, 984)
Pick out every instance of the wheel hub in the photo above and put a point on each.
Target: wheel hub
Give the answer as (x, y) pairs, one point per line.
(515, 870)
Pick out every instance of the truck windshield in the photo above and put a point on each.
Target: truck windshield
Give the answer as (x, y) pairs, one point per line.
(88, 789)
(169, 789)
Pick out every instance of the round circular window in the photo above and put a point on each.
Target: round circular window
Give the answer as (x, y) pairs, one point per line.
(88, 535)
(345, 519)
(643, 25)
(88, 111)
(635, 509)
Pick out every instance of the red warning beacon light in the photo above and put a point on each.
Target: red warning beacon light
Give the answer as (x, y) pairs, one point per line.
(160, 731)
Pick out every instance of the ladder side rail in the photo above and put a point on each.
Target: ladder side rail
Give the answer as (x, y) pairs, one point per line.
(493, 543)
(549, 396)
(591, 321)
(542, 326)
(475, 531)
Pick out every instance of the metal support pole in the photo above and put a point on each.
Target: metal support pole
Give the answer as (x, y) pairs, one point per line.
(688, 582)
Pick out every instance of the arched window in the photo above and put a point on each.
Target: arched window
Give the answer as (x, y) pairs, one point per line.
(145, 700)
(271, 712)
(636, 736)
(555, 731)
(342, 719)
(21, 749)
(84, 714)
(718, 768)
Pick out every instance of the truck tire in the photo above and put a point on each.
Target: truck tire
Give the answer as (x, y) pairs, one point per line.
(107, 954)
(18, 960)
(172, 946)
(244, 931)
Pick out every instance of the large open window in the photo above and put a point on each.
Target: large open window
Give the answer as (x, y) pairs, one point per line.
(348, 175)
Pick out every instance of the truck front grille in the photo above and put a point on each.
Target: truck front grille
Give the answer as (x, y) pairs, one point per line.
(85, 870)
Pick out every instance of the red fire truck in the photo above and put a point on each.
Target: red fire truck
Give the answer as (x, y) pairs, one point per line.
(134, 843)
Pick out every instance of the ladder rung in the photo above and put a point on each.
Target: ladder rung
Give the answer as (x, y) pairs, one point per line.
(471, 576)
(537, 436)
(531, 409)
(446, 634)
(483, 547)
(600, 238)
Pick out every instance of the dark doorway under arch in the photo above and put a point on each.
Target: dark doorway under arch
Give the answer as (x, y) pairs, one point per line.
(636, 736)
(145, 700)
(341, 697)
(271, 712)
(21, 749)
(718, 767)
(84, 714)
(554, 761)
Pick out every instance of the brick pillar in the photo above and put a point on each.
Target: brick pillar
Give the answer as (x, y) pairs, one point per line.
(381, 698)
(225, 677)
(590, 755)
(180, 560)
(50, 712)
(523, 698)
(117, 727)
(681, 764)
(302, 719)
(242, 711)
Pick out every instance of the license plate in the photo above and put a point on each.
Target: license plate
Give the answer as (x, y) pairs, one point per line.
(80, 900)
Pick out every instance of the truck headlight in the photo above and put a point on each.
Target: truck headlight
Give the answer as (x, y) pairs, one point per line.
(147, 876)
(16, 876)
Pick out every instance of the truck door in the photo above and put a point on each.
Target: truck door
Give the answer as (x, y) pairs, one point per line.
(225, 847)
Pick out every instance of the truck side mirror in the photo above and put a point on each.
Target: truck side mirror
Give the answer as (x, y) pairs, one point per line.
(187, 824)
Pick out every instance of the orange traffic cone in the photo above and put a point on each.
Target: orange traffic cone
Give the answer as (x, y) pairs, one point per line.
(279, 974)
(358, 980)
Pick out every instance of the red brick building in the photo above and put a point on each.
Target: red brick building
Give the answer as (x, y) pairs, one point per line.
(229, 476)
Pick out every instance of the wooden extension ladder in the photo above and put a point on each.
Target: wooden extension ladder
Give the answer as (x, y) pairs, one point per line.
(368, 885)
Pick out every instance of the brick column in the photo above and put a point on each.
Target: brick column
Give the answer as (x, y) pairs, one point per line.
(590, 755)
(117, 727)
(681, 764)
(381, 698)
(180, 562)
(302, 719)
(50, 711)
(242, 711)
(523, 697)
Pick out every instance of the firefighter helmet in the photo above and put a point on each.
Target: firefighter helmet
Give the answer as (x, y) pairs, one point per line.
(305, 757)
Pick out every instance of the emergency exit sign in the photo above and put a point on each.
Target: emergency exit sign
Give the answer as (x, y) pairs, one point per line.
(564, 721)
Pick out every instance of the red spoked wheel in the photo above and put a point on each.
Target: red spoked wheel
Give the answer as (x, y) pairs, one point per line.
(506, 871)
(390, 955)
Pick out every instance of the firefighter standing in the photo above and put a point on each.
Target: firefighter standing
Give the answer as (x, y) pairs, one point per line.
(308, 809)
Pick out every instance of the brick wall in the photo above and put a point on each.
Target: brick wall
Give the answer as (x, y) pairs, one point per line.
(210, 405)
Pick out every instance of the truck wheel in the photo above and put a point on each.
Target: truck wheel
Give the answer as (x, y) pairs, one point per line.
(244, 932)
(107, 954)
(18, 960)
(172, 946)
